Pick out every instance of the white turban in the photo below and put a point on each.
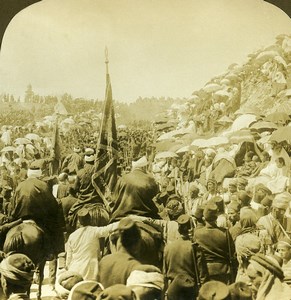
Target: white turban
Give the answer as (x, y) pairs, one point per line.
(146, 279)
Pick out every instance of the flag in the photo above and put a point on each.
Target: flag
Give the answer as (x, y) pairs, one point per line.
(57, 151)
(105, 169)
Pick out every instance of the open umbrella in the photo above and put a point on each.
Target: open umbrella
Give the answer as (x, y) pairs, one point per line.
(281, 134)
(265, 55)
(165, 154)
(200, 143)
(22, 141)
(183, 149)
(243, 121)
(212, 87)
(217, 141)
(7, 149)
(240, 136)
(264, 126)
(33, 136)
(278, 117)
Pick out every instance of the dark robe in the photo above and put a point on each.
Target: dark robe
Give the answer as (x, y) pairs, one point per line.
(134, 194)
(34, 200)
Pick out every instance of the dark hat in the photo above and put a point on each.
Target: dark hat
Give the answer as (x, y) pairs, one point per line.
(182, 287)
(212, 180)
(86, 290)
(83, 215)
(199, 212)
(232, 182)
(244, 197)
(210, 212)
(267, 201)
(69, 279)
(214, 290)
(271, 263)
(117, 292)
(183, 219)
(35, 165)
(240, 291)
(219, 203)
(126, 223)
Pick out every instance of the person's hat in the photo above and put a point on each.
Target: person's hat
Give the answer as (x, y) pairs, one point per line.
(146, 279)
(83, 214)
(233, 207)
(210, 212)
(198, 214)
(142, 162)
(267, 201)
(244, 197)
(89, 158)
(18, 269)
(263, 188)
(183, 219)
(35, 165)
(117, 292)
(182, 287)
(126, 223)
(232, 182)
(218, 201)
(214, 290)
(270, 263)
(63, 176)
(285, 241)
(282, 200)
(212, 180)
(240, 291)
(242, 181)
(89, 151)
(86, 290)
(77, 149)
(69, 279)
(248, 245)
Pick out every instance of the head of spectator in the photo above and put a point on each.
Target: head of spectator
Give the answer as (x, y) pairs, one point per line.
(233, 209)
(184, 225)
(116, 292)
(284, 249)
(265, 156)
(212, 185)
(280, 162)
(129, 236)
(140, 163)
(84, 217)
(198, 214)
(174, 207)
(146, 285)
(215, 290)
(66, 281)
(240, 291)
(16, 274)
(248, 220)
(261, 191)
(279, 205)
(210, 213)
(218, 201)
(87, 290)
(194, 191)
(182, 287)
(266, 275)
(248, 156)
(241, 183)
(34, 170)
(232, 186)
(244, 198)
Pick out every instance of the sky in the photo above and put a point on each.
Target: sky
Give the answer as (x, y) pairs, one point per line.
(156, 48)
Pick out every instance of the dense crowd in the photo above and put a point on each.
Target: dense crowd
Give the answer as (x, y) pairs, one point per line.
(209, 223)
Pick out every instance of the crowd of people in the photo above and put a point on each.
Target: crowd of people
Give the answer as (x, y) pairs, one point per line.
(210, 223)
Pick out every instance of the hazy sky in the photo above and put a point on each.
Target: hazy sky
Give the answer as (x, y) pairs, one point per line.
(156, 47)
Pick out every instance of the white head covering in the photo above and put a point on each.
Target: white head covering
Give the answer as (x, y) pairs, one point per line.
(142, 162)
(89, 158)
(146, 279)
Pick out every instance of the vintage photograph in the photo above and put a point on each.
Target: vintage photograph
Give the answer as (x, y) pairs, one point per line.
(145, 149)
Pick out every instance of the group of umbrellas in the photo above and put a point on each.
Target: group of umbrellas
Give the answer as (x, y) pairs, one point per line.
(246, 128)
(27, 140)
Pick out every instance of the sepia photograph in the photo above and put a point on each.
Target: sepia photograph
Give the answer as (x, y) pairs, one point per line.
(145, 149)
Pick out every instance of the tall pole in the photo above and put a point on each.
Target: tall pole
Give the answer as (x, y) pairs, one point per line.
(106, 60)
